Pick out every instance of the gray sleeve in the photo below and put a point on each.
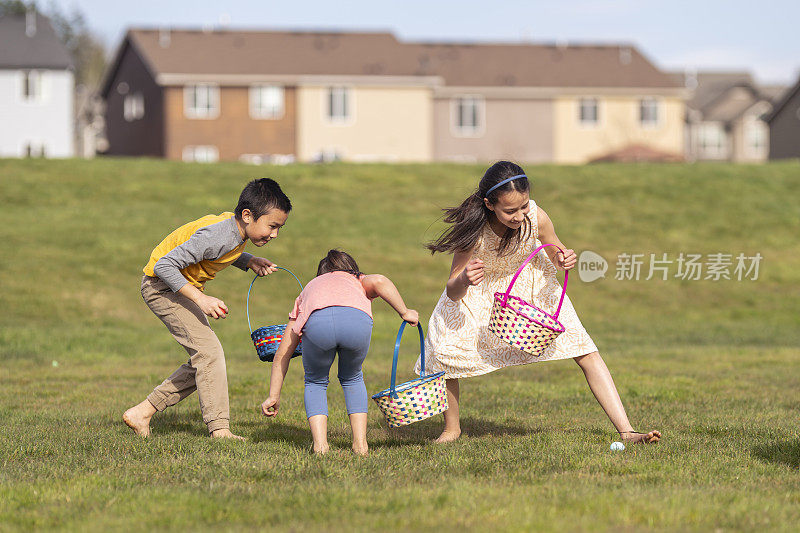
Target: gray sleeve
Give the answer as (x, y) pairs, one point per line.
(242, 261)
(210, 242)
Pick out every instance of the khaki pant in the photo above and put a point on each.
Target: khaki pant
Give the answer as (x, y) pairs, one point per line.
(205, 370)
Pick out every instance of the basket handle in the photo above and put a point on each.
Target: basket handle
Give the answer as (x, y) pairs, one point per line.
(251, 288)
(521, 268)
(397, 352)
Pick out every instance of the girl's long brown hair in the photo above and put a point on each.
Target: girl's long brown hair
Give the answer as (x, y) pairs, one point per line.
(469, 218)
(338, 261)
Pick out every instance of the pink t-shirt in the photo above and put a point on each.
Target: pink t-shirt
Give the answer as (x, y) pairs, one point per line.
(328, 290)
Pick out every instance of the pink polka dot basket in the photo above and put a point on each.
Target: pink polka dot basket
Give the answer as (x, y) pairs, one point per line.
(520, 323)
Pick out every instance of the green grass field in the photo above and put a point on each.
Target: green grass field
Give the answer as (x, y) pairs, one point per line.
(712, 364)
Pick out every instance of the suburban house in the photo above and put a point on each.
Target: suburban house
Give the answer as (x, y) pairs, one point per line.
(550, 103)
(36, 89)
(203, 96)
(268, 95)
(725, 116)
(784, 125)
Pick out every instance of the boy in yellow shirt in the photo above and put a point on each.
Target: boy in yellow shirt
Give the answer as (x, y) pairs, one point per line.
(172, 287)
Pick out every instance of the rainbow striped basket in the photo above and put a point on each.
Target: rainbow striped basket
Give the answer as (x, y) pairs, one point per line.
(521, 324)
(267, 339)
(413, 400)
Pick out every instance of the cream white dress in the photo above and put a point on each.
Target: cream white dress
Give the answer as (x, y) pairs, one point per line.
(458, 340)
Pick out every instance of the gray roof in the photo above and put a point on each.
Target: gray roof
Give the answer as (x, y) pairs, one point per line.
(42, 49)
(784, 99)
(724, 96)
(732, 103)
(773, 92)
(707, 87)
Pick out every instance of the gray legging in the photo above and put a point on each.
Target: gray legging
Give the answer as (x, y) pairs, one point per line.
(348, 331)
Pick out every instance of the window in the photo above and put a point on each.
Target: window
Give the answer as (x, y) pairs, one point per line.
(712, 140)
(266, 101)
(339, 104)
(133, 107)
(588, 113)
(201, 101)
(648, 112)
(34, 149)
(200, 154)
(31, 85)
(468, 113)
(756, 134)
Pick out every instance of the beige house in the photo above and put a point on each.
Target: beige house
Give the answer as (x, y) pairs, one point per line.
(364, 119)
(543, 103)
(266, 96)
(590, 125)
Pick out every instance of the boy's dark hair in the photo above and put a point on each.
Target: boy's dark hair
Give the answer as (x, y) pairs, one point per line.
(468, 219)
(261, 195)
(338, 261)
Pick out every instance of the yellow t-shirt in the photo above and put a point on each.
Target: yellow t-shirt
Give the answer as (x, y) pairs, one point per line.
(196, 251)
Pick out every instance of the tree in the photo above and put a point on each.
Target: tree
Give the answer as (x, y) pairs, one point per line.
(12, 7)
(87, 51)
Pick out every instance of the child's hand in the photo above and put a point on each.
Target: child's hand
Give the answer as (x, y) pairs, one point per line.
(270, 406)
(411, 316)
(213, 307)
(567, 259)
(473, 272)
(261, 266)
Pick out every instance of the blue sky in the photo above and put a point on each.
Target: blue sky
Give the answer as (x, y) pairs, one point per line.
(761, 37)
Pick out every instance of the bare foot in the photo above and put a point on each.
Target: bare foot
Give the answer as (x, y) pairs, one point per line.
(225, 434)
(361, 449)
(321, 449)
(634, 437)
(138, 418)
(448, 435)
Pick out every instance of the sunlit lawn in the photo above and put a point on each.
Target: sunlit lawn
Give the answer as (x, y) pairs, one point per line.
(712, 364)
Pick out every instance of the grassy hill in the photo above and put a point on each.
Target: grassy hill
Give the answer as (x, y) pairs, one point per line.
(713, 364)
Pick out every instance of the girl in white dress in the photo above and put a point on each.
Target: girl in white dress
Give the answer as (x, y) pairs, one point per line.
(492, 233)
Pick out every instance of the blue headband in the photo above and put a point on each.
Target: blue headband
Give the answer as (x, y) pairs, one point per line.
(512, 178)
